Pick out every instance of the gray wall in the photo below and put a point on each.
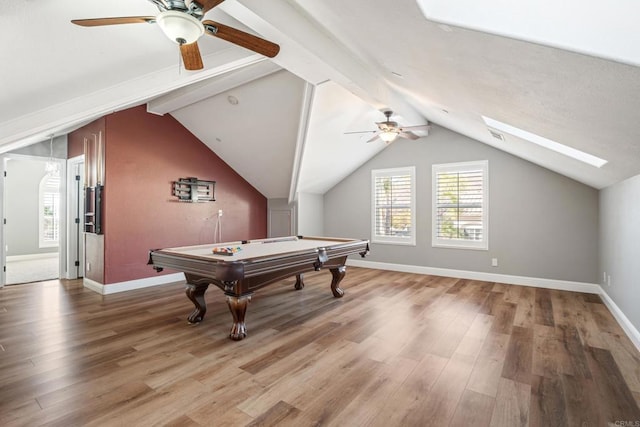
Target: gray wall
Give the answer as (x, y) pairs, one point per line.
(281, 218)
(541, 224)
(310, 214)
(21, 210)
(43, 149)
(620, 246)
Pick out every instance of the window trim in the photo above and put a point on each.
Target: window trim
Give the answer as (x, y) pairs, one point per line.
(483, 244)
(394, 240)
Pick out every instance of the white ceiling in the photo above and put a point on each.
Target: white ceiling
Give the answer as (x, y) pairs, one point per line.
(359, 56)
(260, 147)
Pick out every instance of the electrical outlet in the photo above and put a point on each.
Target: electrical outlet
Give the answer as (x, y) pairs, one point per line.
(88, 266)
(219, 212)
(494, 262)
(608, 280)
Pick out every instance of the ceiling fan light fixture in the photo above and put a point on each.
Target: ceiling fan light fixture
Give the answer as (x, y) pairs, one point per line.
(51, 167)
(180, 27)
(388, 135)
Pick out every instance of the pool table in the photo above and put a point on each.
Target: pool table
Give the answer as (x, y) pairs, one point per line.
(251, 265)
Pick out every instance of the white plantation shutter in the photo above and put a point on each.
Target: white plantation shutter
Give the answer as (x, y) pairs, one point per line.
(460, 205)
(393, 211)
(49, 214)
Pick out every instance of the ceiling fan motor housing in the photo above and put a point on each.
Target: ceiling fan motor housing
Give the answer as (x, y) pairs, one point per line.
(180, 27)
(193, 7)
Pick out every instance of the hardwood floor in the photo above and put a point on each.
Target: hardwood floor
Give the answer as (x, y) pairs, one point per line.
(398, 350)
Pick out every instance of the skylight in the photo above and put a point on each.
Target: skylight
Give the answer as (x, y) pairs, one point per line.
(546, 143)
(607, 29)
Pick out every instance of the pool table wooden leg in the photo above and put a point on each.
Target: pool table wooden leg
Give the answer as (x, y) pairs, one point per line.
(238, 308)
(299, 282)
(195, 292)
(338, 274)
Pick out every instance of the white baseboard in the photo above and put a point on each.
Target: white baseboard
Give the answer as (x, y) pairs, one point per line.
(622, 319)
(32, 257)
(93, 285)
(462, 274)
(563, 285)
(130, 285)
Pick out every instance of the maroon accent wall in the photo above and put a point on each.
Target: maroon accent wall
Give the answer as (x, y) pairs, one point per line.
(144, 153)
(75, 140)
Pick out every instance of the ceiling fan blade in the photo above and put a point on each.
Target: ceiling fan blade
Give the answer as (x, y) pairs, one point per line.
(97, 22)
(376, 136)
(360, 131)
(207, 5)
(191, 56)
(246, 40)
(408, 135)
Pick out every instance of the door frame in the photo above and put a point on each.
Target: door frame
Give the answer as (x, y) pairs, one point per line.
(3, 255)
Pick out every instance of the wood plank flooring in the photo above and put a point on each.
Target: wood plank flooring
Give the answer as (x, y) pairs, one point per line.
(398, 350)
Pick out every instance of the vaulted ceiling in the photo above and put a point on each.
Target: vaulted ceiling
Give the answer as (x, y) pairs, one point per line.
(568, 73)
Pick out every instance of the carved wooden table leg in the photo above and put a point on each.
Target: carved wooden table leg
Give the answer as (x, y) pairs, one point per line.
(299, 281)
(238, 308)
(338, 274)
(195, 292)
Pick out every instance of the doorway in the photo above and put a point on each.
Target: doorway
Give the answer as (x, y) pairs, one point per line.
(33, 213)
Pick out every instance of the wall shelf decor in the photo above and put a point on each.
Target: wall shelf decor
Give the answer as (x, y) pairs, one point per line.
(194, 190)
(93, 209)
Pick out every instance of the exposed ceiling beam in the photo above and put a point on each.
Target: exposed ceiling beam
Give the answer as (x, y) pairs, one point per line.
(313, 54)
(303, 130)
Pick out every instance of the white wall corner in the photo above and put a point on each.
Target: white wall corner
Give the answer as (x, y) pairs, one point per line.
(621, 318)
(562, 285)
(130, 285)
(93, 285)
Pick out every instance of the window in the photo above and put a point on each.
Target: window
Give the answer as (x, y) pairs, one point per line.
(49, 211)
(393, 199)
(460, 205)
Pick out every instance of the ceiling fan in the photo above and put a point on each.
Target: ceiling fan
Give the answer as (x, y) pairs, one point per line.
(389, 130)
(181, 21)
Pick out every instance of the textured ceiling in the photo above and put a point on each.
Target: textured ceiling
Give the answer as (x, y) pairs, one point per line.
(259, 146)
(374, 54)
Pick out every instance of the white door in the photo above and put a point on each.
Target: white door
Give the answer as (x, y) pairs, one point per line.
(280, 223)
(75, 224)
